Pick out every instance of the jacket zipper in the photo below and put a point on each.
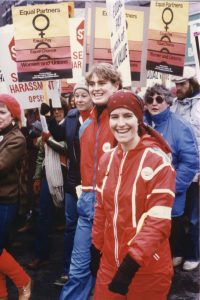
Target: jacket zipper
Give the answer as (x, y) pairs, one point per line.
(116, 210)
(95, 153)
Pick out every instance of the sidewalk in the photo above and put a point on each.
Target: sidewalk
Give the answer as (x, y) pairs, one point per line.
(185, 285)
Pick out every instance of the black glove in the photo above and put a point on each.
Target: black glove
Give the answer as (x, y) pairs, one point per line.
(124, 275)
(44, 109)
(95, 260)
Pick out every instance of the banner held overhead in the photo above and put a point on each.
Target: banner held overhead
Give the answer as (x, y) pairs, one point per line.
(42, 42)
(119, 41)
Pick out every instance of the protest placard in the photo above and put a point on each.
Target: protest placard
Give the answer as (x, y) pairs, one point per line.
(42, 42)
(137, 19)
(137, 26)
(167, 36)
(76, 26)
(118, 38)
(29, 94)
(3, 87)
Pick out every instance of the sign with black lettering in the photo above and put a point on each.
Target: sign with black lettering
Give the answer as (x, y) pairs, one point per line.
(99, 47)
(167, 36)
(42, 42)
(30, 94)
(118, 38)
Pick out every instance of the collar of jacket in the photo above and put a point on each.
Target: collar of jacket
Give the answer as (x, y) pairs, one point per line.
(159, 118)
(145, 141)
(85, 114)
(73, 113)
(8, 128)
(94, 114)
(188, 99)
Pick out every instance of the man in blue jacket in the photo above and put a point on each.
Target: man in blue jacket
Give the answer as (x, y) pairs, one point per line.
(180, 136)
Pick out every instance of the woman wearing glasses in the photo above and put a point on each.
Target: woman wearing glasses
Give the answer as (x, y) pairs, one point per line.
(179, 135)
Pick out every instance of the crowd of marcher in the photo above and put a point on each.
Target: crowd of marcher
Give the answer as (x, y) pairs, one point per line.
(121, 174)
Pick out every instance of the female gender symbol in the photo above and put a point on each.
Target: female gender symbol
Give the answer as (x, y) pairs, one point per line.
(170, 19)
(41, 29)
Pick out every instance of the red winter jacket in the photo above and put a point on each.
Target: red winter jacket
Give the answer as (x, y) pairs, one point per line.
(135, 192)
(95, 139)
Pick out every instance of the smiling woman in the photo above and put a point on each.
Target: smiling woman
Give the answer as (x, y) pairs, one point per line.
(95, 138)
(135, 191)
(124, 126)
(103, 81)
(82, 97)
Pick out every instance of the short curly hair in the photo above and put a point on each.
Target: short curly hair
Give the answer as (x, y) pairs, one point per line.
(159, 89)
(105, 71)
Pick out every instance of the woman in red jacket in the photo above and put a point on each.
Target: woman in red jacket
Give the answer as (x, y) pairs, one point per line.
(132, 220)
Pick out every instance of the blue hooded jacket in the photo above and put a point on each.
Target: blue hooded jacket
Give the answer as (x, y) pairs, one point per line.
(179, 135)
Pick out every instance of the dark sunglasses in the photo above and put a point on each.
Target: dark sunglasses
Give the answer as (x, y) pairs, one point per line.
(159, 99)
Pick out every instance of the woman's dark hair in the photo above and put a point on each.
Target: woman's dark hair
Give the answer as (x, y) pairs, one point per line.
(70, 98)
(64, 105)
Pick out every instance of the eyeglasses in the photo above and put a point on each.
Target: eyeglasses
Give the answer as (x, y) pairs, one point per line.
(159, 99)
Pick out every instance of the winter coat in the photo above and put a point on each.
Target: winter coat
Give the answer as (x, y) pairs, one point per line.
(72, 126)
(59, 147)
(69, 131)
(95, 139)
(12, 150)
(135, 193)
(189, 109)
(180, 136)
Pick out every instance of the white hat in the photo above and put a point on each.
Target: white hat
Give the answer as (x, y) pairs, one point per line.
(188, 73)
(82, 86)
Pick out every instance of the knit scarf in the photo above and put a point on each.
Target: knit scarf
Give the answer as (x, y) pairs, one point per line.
(54, 175)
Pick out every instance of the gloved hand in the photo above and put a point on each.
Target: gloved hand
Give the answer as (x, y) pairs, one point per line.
(36, 186)
(95, 260)
(124, 276)
(45, 136)
(44, 109)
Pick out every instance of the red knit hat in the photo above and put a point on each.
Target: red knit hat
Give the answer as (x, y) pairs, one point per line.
(129, 100)
(12, 105)
(126, 99)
